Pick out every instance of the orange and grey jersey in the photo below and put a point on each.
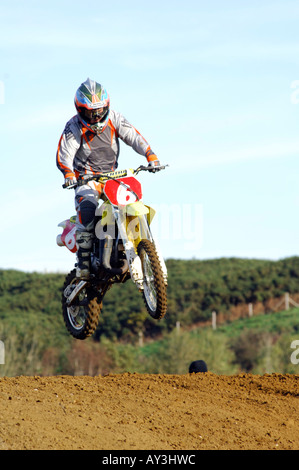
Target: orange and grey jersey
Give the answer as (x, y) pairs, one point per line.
(80, 151)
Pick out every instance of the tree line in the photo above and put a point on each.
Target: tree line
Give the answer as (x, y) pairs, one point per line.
(36, 340)
(195, 289)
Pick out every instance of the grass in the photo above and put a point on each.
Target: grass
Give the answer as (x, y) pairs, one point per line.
(261, 343)
(286, 321)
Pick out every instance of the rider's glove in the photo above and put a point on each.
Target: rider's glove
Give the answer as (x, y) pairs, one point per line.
(153, 165)
(153, 161)
(70, 179)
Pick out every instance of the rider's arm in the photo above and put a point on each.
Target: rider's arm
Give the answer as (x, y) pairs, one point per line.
(128, 134)
(68, 145)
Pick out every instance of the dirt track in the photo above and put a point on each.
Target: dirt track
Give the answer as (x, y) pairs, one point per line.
(150, 412)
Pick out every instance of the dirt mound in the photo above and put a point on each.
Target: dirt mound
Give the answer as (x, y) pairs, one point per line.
(150, 412)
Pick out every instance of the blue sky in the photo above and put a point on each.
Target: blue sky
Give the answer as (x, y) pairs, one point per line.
(210, 85)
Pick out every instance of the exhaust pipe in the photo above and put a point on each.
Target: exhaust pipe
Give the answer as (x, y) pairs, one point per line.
(107, 250)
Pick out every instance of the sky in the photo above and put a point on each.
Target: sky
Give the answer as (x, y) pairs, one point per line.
(212, 86)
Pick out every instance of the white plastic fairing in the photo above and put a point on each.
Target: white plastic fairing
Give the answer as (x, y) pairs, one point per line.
(59, 241)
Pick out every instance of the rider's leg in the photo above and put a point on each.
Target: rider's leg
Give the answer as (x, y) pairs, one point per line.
(84, 237)
(86, 201)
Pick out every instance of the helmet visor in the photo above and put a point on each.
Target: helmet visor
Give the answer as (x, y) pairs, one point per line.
(93, 116)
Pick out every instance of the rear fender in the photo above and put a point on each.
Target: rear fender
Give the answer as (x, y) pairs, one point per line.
(68, 236)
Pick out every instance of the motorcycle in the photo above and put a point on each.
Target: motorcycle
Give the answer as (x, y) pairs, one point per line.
(123, 249)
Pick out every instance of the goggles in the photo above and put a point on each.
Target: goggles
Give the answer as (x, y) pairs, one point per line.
(92, 116)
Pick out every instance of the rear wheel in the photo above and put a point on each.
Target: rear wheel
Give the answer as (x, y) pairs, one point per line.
(81, 318)
(154, 288)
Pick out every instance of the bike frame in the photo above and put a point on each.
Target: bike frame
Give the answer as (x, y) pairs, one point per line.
(123, 208)
(133, 219)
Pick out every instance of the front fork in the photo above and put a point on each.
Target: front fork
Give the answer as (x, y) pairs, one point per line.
(132, 231)
(128, 236)
(132, 226)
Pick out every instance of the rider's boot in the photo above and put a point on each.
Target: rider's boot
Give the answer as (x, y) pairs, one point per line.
(84, 241)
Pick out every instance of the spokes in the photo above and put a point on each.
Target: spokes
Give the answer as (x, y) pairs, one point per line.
(77, 313)
(80, 307)
(154, 288)
(148, 285)
(77, 316)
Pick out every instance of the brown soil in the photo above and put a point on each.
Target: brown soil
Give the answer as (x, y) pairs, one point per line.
(150, 412)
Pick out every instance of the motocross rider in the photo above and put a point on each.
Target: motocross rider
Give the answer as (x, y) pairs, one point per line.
(90, 144)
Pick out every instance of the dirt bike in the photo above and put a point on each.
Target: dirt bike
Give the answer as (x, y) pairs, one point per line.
(123, 249)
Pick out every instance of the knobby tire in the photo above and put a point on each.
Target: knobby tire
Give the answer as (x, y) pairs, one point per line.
(158, 280)
(92, 312)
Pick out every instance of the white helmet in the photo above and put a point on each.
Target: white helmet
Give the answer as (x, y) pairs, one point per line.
(93, 105)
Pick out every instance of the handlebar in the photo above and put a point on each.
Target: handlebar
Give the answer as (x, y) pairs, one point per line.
(102, 177)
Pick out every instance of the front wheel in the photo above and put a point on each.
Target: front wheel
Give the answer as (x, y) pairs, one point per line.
(154, 288)
(81, 318)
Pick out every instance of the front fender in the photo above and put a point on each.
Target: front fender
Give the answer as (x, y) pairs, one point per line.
(138, 208)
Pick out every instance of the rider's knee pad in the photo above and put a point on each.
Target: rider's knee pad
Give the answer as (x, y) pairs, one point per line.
(87, 212)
